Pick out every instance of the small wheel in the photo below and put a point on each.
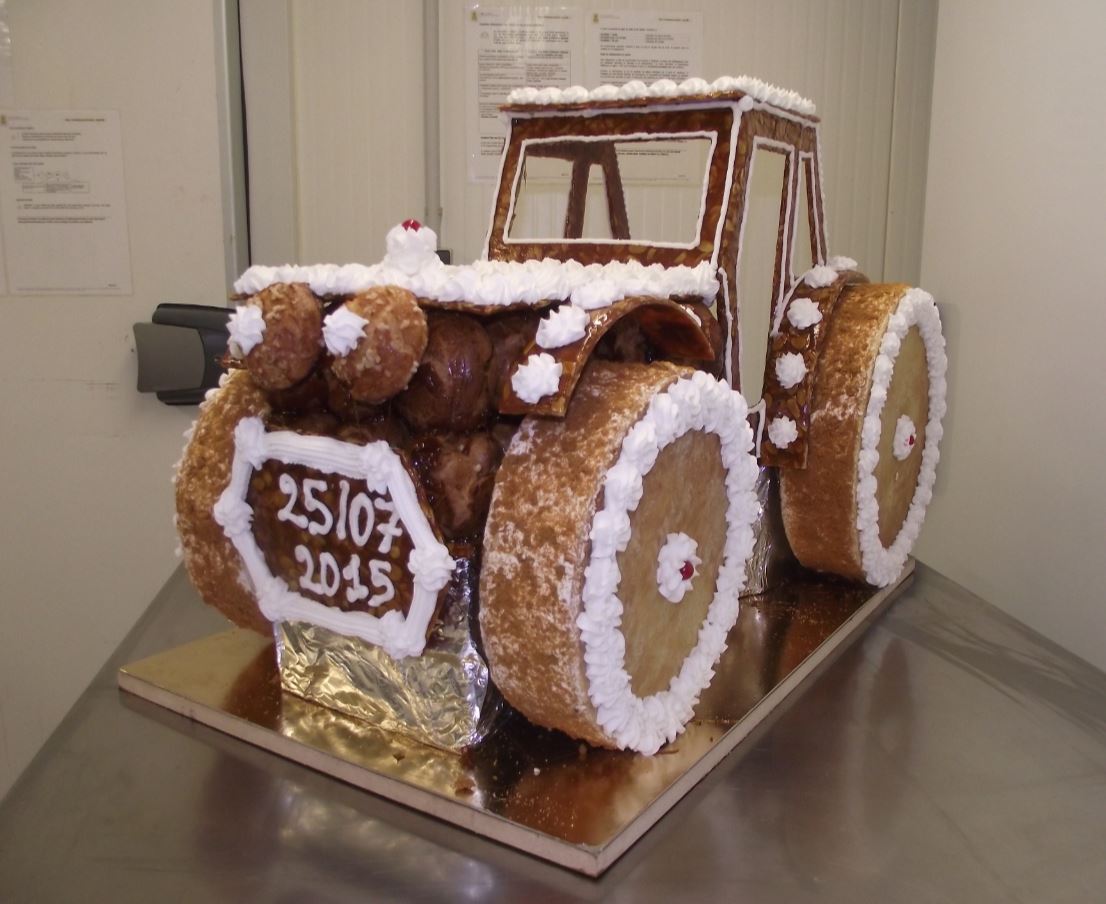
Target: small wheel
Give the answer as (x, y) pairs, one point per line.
(875, 423)
(614, 553)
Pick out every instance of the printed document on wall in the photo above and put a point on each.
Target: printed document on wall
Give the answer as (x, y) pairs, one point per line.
(634, 45)
(511, 47)
(629, 45)
(62, 203)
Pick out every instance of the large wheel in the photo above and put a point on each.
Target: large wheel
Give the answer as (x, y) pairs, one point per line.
(614, 553)
(875, 423)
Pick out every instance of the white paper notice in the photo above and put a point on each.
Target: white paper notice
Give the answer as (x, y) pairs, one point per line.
(62, 203)
(627, 45)
(512, 47)
(624, 45)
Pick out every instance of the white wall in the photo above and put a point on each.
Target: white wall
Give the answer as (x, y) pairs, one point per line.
(86, 538)
(1014, 230)
(334, 109)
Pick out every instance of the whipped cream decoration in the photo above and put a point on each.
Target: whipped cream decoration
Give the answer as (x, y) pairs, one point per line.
(432, 566)
(411, 247)
(383, 470)
(234, 516)
(839, 263)
(246, 327)
(565, 325)
(537, 378)
(906, 437)
(666, 88)
(790, 369)
(676, 566)
(598, 294)
(802, 313)
(342, 330)
(631, 90)
(782, 431)
(496, 283)
(820, 276)
(883, 564)
(697, 402)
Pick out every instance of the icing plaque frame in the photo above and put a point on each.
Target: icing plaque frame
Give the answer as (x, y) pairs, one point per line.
(529, 789)
(384, 472)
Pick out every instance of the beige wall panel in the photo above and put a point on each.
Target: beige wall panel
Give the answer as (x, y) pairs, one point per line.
(1015, 217)
(270, 129)
(334, 94)
(86, 539)
(910, 139)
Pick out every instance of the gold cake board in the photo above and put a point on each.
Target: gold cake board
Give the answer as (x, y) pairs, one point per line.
(534, 790)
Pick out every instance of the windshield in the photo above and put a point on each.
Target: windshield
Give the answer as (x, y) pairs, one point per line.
(612, 189)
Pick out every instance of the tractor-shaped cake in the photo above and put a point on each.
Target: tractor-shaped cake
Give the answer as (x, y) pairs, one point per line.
(552, 437)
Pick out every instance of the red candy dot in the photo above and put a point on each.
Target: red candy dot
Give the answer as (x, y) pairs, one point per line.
(411, 224)
(687, 571)
(910, 441)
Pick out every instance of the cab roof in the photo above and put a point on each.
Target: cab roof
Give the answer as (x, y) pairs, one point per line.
(696, 91)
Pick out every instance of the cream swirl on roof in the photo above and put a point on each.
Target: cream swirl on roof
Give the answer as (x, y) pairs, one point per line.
(666, 88)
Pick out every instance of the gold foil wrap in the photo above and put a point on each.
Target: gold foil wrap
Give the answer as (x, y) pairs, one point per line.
(771, 560)
(443, 697)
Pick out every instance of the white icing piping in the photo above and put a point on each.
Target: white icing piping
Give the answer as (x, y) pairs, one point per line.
(538, 377)
(819, 276)
(410, 246)
(790, 369)
(563, 326)
(491, 283)
(758, 90)
(677, 555)
(882, 565)
(383, 471)
(906, 437)
(634, 136)
(246, 328)
(698, 402)
(342, 330)
(802, 313)
(782, 431)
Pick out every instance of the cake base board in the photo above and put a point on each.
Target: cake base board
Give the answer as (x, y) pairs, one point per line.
(534, 790)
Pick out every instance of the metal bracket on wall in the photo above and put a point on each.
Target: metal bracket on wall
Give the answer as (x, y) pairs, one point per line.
(180, 350)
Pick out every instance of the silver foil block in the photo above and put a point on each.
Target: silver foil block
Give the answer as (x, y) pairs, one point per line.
(772, 559)
(443, 697)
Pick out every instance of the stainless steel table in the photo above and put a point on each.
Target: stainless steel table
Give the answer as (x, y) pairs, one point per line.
(950, 754)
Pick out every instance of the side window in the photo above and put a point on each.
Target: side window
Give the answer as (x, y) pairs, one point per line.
(760, 248)
(802, 248)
